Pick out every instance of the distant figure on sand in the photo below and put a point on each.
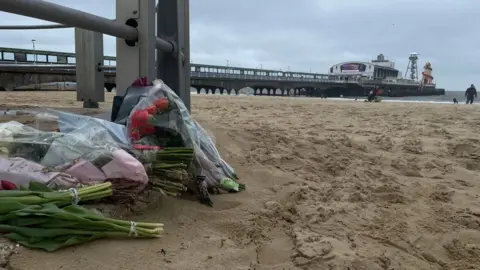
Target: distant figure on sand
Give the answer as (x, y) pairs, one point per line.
(455, 101)
(471, 94)
(373, 93)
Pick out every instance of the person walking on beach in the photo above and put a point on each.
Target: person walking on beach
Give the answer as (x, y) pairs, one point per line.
(371, 94)
(471, 94)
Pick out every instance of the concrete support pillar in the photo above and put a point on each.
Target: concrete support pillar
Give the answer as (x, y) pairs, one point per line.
(137, 60)
(90, 78)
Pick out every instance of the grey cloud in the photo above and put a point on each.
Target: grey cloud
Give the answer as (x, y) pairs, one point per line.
(308, 34)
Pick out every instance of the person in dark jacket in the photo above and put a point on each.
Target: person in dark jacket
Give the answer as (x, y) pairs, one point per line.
(372, 94)
(471, 94)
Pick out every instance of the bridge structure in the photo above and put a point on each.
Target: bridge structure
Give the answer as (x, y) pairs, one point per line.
(36, 68)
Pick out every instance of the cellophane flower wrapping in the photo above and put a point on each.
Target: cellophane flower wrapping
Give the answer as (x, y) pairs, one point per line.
(161, 119)
(88, 149)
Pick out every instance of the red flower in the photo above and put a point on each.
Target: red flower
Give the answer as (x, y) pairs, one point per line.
(152, 110)
(161, 104)
(8, 185)
(139, 118)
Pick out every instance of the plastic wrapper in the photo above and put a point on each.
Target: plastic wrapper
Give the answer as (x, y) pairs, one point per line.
(173, 126)
(20, 172)
(89, 149)
(207, 145)
(19, 140)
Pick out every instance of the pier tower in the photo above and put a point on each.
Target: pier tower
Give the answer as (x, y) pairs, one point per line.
(412, 67)
(427, 77)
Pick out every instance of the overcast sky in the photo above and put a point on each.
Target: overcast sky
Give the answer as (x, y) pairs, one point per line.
(306, 35)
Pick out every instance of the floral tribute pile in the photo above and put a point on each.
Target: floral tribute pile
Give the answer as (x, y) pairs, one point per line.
(176, 152)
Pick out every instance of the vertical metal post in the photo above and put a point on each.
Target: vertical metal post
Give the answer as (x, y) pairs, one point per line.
(128, 58)
(89, 59)
(139, 60)
(173, 23)
(147, 39)
(34, 53)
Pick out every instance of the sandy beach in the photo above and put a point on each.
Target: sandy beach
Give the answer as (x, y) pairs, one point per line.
(330, 185)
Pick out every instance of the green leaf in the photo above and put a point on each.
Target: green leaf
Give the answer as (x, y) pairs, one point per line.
(52, 243)
(41, 232)
(53, 223)
(36, 186)
(7, 207)
(16, 193)
(27, 221)
(96, 212)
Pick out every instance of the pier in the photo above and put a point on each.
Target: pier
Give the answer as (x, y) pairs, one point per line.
(20, 67)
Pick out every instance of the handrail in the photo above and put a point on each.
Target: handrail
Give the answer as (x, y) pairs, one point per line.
(200, 74)
(62, 15)
(40, 26)
(210, 75)
(33, 27)
(194, 74)
(47, 11)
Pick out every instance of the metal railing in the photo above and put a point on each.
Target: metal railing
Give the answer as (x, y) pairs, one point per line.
(215, 75)
(48, 66)
(193, 74)
(172, 21)
(208, 75)
(194, 67)
(232, 71)
(47, 11)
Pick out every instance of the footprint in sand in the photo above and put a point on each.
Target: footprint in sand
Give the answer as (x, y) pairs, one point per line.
(413, 146)
(226, 205)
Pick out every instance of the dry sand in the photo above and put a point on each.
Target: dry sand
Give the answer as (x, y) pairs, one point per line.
(330, 185)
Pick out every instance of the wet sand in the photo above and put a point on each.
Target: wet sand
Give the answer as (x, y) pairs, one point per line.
(330, 185)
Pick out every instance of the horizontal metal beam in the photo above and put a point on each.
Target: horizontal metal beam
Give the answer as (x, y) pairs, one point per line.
(47, 11)
(41, 26)
(33, 27)
(49, 66)
(164, 46)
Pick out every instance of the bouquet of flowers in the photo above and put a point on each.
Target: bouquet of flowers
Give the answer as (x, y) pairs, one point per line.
(173, 144)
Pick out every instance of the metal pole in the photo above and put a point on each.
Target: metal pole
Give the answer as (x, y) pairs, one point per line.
(164, 45)
(128, 57)
(173, 22)
(47, 11)
(34, 52)
(38, 27)
(147, 40)
(33, 27)
(90, 78)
